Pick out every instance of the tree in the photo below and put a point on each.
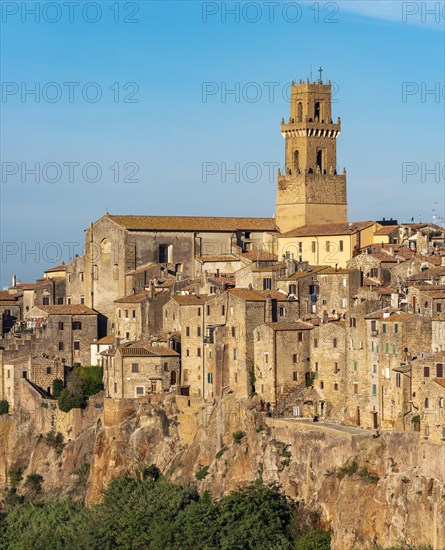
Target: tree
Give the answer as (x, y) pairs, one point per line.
(57, 387)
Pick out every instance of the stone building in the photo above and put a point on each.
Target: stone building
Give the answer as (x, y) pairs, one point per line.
(10, 312)
(428, 395)
(427, 300)
(282, 364)
(65, 331)
(136, 369)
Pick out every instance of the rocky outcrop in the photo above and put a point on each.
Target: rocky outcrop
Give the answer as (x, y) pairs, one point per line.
(369, 488)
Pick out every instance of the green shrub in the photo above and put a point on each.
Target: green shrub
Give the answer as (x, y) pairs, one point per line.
(82, 383)
(314, 540)
(4, 406)
(238, 436)
(57, 387)
(220, 453)
(201, 472)
(15, 476)
(34, 483)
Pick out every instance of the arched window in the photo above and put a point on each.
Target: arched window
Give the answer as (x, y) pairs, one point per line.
(296, 161)
(300, 112)
(317, 110)
(173, 378)
(320, 159)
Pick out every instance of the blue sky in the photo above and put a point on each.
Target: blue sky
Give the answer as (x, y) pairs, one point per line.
(163, 61)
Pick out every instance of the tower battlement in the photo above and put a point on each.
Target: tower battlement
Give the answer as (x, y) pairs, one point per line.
(311, 174)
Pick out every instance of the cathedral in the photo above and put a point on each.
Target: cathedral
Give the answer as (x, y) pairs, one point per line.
(310, 225)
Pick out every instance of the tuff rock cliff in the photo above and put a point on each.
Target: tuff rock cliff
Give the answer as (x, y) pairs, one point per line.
(370, 488)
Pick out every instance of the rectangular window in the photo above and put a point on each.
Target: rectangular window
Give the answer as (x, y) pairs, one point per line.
(233, 332)
(398, 379)
(394, 350)
(60, 324)
(198, 331)
(313, 246)
(300, 336)
(187, 353)
(163, 254)
(344, 303)
(353, 322)
(334, 342)
(336, 369)
(426, 372)
(126, 314)
(185, 375)
(199, 312)
(231, 310)
(439, 370)
(134, 367)
(68, 300)
(315, 342)
(208, 310)
(355, 388)
(335, 386)
(235, 354)
(321, 385)
(328, 246)
(384, 328)
(396, 328)
(209, 378)
(46, 300)
(340, 245)
(282, 312)
(76, 345)
(295, 376)
(77, 325)
(165, 367)
(187, 331)
(95, 273)
(81, 276)
(295, 357)
(374, 390)
(300, 247)
(355, 365)
(48, 370)
(439, 308)
(427, 403)
(266, 357)
(134, 313)
(198, 352)
(60, 346)
(267, 284)
(82, 300)
(223, 310)
(386, 348)
(139, 390)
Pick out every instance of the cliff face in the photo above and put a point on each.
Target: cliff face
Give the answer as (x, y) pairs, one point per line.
(384, 489)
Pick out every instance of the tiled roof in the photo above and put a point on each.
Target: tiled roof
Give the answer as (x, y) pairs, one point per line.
(301, 274)
(258, 295)
(192, 223)
(133, 298)
(438, 271)
(6, 297)
(269, 268)
(143, 268)
(259, 256)
(144, 348)
(191, 299)
(61, 267)
(65, 309)
(209, 258)
(25, 286)
(386, 230)
(298, 325)
(109, 339)
(327, 229)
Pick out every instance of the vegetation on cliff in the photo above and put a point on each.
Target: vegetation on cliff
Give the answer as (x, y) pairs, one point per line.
(148, 512)
(82, 383)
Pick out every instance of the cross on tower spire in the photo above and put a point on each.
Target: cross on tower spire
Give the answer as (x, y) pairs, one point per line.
(320, 70)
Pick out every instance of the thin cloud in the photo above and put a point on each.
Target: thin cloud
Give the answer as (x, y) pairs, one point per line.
(426, 13)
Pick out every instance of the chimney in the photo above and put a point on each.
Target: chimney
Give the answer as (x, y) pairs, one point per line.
(268, 312)
(14, 276)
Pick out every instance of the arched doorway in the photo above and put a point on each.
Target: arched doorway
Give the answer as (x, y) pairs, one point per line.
(173, 378)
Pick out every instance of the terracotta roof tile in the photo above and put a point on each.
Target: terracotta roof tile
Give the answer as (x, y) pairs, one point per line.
(259, 256)
(133, 298)
(72, 309)
(61, 267)
(386, 230)
(258, 295)
(144, 348)
(298, 325)
(209, 258)
(193, 223)
(191, 299)
(109, 339)
(327, 229)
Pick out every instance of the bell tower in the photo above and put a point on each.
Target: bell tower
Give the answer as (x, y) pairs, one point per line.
(310, 191)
